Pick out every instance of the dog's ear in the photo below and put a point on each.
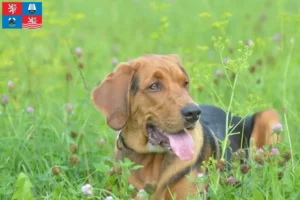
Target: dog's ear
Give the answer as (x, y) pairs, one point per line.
(262, 129)
(111, 97)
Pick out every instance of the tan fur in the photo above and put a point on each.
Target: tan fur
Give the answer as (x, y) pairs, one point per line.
(261, 134)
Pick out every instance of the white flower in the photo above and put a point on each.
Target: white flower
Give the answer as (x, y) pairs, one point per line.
(259, 151)
(86, 189)
(69, 108)
(30, 110)
(10, 85)
(78, 51)
(114, 61)
(200, 175)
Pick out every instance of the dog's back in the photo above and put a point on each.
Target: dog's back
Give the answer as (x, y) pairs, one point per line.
(257, 126)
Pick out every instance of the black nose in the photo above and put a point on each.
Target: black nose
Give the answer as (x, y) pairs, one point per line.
(191, 113)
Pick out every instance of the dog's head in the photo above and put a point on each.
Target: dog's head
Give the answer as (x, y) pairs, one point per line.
(149, 98)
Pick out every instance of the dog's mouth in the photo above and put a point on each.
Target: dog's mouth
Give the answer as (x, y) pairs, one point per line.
(181, 142)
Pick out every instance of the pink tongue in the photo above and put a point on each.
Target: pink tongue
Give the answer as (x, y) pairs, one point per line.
(182, 145)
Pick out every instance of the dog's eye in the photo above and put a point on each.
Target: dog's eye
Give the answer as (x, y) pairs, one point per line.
(186, 85)
(154, 87)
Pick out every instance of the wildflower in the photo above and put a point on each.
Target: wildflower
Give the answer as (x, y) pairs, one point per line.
(68, 76)
(252, 69)
(109, 198)
(284, 110)
(249, 43)
(259, 81)
(69, 108)
(205, 14)
(114, 61)
(10, 85)
(230, 180)
(200, 88)
(241, 153)
(115, 48)
(55, 170)
(259, 151)
(4, 99)
(86, 189)
(111, 171)
(235, 157)
(275, 152)
(221, 164)
(200, 175)
(233, 75)
(231, 50)
(73, 160)
(259, 62)
(225, 61)
(78, 51)
(81, 64)
(287, 155)
(73, 134)
(219, 73)
(202, 48)
(216, 81)
(277, 128)
(141, 194)
(30, 110)
(244, 168)
(276, 37)
(73, 148)
(101, 141)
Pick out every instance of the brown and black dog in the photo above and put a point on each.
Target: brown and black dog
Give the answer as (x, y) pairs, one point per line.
(148, 102)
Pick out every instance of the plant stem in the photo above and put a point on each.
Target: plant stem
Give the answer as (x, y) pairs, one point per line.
(285, 99)
(86, 162)
(224, 144)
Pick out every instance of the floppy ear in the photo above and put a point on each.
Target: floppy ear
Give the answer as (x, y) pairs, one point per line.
(111, 97)
(262, 129)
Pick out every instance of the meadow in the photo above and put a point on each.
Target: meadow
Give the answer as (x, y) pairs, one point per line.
(242, 55)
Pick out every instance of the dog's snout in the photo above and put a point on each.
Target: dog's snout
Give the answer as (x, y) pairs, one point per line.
(191, 113)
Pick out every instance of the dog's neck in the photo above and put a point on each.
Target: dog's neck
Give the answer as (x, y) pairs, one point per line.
(154, 163)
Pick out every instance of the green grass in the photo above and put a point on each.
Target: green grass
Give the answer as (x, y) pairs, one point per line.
(38, 62)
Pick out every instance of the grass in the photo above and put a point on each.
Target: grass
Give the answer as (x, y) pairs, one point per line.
(47, 75)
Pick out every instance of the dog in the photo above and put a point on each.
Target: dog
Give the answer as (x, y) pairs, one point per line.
(147, 101)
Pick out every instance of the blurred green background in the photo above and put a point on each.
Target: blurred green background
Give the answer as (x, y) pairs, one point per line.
(47, 74)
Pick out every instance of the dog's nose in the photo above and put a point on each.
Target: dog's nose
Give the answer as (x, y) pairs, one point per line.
(191, 113)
